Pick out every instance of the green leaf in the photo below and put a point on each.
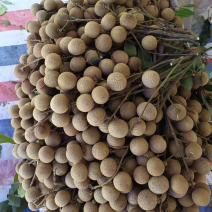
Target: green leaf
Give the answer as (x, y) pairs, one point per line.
(7, 2)
(21, 192)
(206, 104)
(189, 5)
(6, 139)
(146, 59)
(0, 149)
(185, 13)
(6, 22)
(130, 49)
(49, 15)
(95, 61)
(22, 207)
(13, 200)
(187, 82)
(2, 11)
(14, 188)
(15, 180)
(208, 87)
(4, 7)
(36, 92)
(7, 208)
(3, 204)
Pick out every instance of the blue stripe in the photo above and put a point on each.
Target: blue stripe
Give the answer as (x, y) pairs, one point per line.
(6, 128)
(9, 55)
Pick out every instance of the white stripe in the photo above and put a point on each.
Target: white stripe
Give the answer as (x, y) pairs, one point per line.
(13, 37)
(4, 107)
(6, 73)
(23, 4)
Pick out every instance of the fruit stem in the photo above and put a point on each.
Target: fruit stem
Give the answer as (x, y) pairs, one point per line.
(85, 10)
(80, 20)
(30, 63)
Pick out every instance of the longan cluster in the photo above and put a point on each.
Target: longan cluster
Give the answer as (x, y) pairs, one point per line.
(92, 136)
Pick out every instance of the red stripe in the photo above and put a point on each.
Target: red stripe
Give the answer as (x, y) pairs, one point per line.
(209, 61)
(7, 93)
(17, 20)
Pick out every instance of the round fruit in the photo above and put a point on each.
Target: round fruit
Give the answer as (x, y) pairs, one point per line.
(176, 112)
(155, 166)
(149, 43)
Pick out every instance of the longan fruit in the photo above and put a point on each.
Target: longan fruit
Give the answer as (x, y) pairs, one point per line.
(155, 166)
(59, 103)
(98, 196)
(53, 61)
(186, 124)
(70, 130)
(26, 171)
(162, 4)
(16, 123)
(85, 194)
(118, 34)
(37, 49)
(51, 79)
(186, 201)
(128, 110)
(141, 175)
(128, 21)
(67, 81)
(48, 49)
(189, 136)
(134, 64)
(50, 202)
(32, 150)
(159, 184)
(179, 184)
(25, 112)
(49, 5)
(168, 14)
(74, 153)
(201, 78)
(21, 73)
(204, 115)
(64, 44)
(79, 172)
(120, 203)
(193, 151)
(77, 64)
(176, 112)
(119, 56)
(201, 166)
(76, 46)
(157, 144)
(147, 200)
(151, 128)
(33, 27)
(138, 146)
(108, 22)
(60, 120)
(149, 43)
(91, 135)
(147, 111)
(89, 206)
(46, 154)
(14, 111)
(204, 129)
(92, 29)
(89, 13)
(60, 168)
(21, 150)
(43, 170)
(115, 141)
(79, 121)
(117, 81)
(69, 181)
(41, 132)
(186, 94)
(94, 172)
(103, 43)
(34, 77)
(173, 167)
(35, 8)
(91, 53)
(174, 150)
(201, 197)
(85, 85)
(122, 68)
(108, 167)
(62, 198)
(20, 94)
(100, 151)
(93, 72)
(123, 182)
(96, 116)
(52, 30)
(195, 105)
(42, 102)
(53, 139)
(178, 20)
(99, 9)
(118, 128)
(76, 12)
(32, 193)
(150, 79)
(100, 95)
